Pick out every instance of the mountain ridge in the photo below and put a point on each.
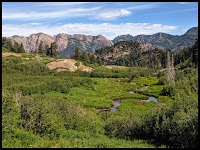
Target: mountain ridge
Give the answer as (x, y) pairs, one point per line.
(66, 42)
(164, 40)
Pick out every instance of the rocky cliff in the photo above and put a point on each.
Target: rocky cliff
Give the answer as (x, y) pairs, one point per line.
(66, 43)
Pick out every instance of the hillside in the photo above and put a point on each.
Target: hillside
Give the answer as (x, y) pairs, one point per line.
(163, 40)
(132, 53)
(66, 43)
(120, 49)
(51, 63)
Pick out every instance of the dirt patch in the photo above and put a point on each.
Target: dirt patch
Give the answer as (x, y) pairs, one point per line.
(114, 66)
(60, 69)
(102, 110)
(84, 68)
(5, 54)
(38, 58)
(61, 64)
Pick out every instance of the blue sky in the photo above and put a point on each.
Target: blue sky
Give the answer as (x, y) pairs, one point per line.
(110, 19)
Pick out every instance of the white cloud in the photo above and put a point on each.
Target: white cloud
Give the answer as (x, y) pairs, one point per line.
(35, 23)
(109, 30)
(182, 3)
(112, 15)
(67, 13)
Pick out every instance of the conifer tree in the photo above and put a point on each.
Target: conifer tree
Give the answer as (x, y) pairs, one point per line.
(77, 54)
(85, 57)
(40, 48)
(6, 43)
(52, 51)
(15, 47)
(21, 49)
(99, 61)
(93, 59)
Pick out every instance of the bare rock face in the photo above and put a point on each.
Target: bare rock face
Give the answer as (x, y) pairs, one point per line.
(32, 42)
(67, 64)
(66, 43)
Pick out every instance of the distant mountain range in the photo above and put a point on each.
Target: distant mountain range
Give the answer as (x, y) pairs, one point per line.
(163, 40)
(68, 43)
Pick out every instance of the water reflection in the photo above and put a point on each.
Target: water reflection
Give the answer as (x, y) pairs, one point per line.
(132, 83)
(115, 103)
(131, 92)
(151, 99)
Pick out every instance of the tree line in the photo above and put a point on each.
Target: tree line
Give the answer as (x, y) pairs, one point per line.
(16, 47)
(51, 51)
(87, 57)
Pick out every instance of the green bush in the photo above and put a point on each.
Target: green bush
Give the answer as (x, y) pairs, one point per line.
(10, 113)
(77, 63)
(162, 80)
(168, 90)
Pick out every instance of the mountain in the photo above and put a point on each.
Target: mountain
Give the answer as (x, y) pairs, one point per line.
(66, 43)
(120, 50)
(163, 40)
(132, 53)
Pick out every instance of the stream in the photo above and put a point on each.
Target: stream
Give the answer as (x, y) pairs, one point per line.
(116, 103)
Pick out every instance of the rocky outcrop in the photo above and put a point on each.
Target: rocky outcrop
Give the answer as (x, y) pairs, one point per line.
(66, 43)
(67, 64)
(32, 42)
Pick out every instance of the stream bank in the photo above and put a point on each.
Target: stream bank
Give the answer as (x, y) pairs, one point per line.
(117, 102)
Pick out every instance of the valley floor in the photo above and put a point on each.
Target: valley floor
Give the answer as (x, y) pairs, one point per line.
(43, 108)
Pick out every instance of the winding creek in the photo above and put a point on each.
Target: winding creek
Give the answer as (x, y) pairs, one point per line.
(116, 103)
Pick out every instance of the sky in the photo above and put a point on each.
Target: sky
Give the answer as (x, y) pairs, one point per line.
(109, 19)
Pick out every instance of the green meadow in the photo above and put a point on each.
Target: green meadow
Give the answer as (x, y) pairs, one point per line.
(42, 108)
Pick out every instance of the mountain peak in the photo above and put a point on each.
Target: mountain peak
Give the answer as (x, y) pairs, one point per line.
(192, 31)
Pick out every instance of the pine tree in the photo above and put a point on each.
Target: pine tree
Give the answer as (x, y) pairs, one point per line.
(40, 48)
(99, 61)
(47, 52)
(93, 59)
(195, 53)
(15, 47)
(21, 49)
(6, 43)
(85, 57)
(77, 54)
(52, 51)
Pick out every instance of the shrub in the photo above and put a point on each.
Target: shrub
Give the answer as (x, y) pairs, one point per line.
(77, 63)
(162, 80)
(168, 90)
